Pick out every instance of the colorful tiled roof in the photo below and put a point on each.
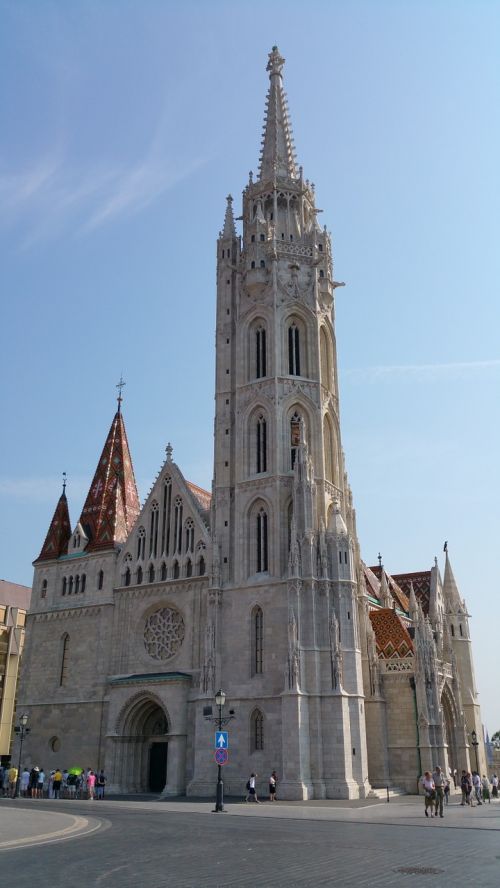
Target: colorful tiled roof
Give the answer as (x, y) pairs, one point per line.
(421, 585)
(392, 637)
(59, 532)
(203, 497)
(112, 503)
(399, 595)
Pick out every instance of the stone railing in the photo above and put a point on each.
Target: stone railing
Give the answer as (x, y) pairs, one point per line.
(397, 664)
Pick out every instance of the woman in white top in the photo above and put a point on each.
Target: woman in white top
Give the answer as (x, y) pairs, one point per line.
(429, 792)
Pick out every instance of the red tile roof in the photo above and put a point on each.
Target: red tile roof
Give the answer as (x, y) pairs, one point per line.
(59, 532)
(392, 636)
(421, 585)
(400, 596)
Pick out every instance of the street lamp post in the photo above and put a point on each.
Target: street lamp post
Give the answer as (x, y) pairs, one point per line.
(220, 699)
(475, 744)
(22, 730)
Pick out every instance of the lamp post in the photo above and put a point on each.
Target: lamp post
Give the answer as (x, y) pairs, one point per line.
(22, 730)
(220, 699)
(475, 744)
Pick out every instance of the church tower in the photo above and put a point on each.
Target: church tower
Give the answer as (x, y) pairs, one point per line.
(283, 518)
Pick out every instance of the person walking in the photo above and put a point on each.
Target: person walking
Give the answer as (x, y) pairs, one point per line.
(447, 792)
(476, 782)
(466, 787)
(100, 784)
(273, 780)
(91, 785)
(57, 783)
(439, 784)
(429, 793)
(251, 788)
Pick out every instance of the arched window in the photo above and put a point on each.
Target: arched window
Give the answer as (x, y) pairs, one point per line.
(43, 591)
(261, 445)
(127, 576)
(70, 586)
(189, 535)
(164, 571)
(460, 629)
(151, 574)
(178, 525)
(141, 543)
(189, 568)
(64, 585)
(84, 582)
(166, 516)
(176, 570)
(63, 672)
(294, 437)
(257, 731)
(293, 350)
(262, 541)
(329, 450)
(257, 640)
(260, 353)
(139, 575)
(325, 356)
(201, 566)
(453, 630)
(153, 530)
(100, 579)
(77, 584)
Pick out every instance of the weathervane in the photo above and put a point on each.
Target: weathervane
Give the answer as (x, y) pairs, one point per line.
(119, 387)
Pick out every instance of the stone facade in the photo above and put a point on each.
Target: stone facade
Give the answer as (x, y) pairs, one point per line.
(338, 678)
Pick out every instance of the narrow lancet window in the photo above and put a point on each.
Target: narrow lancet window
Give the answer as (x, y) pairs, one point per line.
(260, 356)
(261, 445)
(293, 350)
(262, 542)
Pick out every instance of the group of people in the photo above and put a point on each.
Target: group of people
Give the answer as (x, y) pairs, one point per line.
(475, 790)
(57, 784)
(251, 788)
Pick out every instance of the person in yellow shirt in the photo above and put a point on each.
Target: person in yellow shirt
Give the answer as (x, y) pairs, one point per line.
(12, 781)
(56, 784)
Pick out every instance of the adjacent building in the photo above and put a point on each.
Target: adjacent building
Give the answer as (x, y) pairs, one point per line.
(14, 603)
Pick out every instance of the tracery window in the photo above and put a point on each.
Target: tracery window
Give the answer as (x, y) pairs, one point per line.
(141, 543)
(262, 541)
(166, 516)
(189, 535)
(261, 445)
(178, 525)
(257, 731)
(153, 530)
(293, 350)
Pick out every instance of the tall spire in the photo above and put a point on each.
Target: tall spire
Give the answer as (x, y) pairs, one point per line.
(59, 532)
(229, 229)
(451, 594)
(278, 152)
(112, 503)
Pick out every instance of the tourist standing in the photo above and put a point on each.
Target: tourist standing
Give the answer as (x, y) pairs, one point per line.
(273, 780)
(100, 784)
(57, 784)
(439, 784)
(40, 784)
(466, 787)
(486, 789)
(476, 782)
(494, 786)
(25, 782)
(429, 793)
(91, 784)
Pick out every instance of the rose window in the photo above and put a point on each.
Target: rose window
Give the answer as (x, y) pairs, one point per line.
(163, 633)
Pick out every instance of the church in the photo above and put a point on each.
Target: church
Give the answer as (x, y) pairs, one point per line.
(338, 675)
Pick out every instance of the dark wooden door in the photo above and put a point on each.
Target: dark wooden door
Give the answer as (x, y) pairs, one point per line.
(158, 767)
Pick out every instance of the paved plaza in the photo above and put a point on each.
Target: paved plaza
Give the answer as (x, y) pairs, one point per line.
(181, 843)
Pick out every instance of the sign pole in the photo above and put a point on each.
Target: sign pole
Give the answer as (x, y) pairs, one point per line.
(219, 795)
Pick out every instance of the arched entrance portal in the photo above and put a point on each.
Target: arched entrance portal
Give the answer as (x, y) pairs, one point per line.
(144, 746)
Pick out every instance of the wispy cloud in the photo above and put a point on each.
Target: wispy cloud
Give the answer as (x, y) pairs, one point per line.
(54, 196)
(423, 372)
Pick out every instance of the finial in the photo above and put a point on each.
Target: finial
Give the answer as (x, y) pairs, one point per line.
(250, 177)
(229, 198)
(169, 450)
(64, 482)
(435, 561)
(119, 387)
(379, 556)
(276, 62)
(445, 547)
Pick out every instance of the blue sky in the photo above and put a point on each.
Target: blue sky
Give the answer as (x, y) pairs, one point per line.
(124, 127)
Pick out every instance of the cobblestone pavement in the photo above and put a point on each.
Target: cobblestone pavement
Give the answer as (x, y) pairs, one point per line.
(155, 844)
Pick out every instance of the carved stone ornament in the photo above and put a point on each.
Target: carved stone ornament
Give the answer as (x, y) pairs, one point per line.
(164, 633)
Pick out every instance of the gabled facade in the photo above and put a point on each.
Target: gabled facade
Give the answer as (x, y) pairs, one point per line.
(341, 676)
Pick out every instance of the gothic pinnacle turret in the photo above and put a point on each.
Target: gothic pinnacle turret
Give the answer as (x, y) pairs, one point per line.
(451, 595)
(229, 229)
(277, 158)
(59, 531)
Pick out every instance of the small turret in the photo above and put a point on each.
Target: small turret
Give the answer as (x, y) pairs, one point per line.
(451, 595)
(59, 532)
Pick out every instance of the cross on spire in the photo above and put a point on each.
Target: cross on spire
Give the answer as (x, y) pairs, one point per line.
(119, 386)
(379, 556)
(65, 477)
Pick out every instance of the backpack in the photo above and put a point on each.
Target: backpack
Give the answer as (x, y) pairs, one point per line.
(248, 785)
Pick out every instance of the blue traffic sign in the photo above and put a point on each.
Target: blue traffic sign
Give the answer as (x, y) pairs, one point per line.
(221, 740)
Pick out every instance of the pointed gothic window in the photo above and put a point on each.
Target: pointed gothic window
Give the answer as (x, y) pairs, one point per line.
(189, 534)
(77, 584)
(176, 570)
(43, 591)
(141, 543)
(201, 566)
(139, 575)
(84, 581)
(127, 576)
(294, 437)
(261, 445)
(260, 353)
(189, 568)
(257, 640)
(252, 264)
(257, 731)
(151, 574)
(64, 585)
(153, 530)
(293, 350)
(70, 586)
(178, 525)
(100, 579)
(166, 519)
(329, 450)
(164, 571)
(63, 673)
(262, 542)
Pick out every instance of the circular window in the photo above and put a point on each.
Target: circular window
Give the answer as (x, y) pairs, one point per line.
(55, 744)
(163, 633)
